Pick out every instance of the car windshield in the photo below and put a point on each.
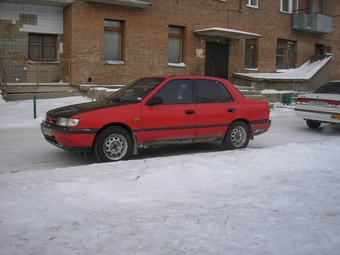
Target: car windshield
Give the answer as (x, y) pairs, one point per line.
(329, 88)
(136, 90)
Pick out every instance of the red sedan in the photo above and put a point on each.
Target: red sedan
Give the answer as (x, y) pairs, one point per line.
(155, 111)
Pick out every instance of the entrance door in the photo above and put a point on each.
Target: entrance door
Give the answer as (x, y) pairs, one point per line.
(216, 59)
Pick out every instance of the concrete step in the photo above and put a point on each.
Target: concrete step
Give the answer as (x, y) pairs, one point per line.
(250, 92)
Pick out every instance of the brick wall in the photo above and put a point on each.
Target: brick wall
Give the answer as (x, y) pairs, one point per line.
(146, 37)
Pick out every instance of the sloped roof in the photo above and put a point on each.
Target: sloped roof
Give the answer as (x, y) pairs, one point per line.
(304, 72)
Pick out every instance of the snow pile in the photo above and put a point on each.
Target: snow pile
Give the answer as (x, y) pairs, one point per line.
(304, 72)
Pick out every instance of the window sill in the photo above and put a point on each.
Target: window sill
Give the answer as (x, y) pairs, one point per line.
(43, 62)
(252, 6)
(113, 62)
(251, 69)
(286, 12)
(177, 64)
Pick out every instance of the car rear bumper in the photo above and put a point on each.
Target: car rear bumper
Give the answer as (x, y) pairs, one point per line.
(322, 116)
(260, 126)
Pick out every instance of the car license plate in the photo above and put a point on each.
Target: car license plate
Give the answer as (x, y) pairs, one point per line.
(318, 103)
(47, 131)
(335, 117)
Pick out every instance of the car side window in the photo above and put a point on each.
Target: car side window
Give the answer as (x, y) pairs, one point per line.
(212, 92)
(176, 92)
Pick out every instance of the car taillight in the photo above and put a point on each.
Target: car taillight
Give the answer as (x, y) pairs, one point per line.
(333, 104)
(303, 101)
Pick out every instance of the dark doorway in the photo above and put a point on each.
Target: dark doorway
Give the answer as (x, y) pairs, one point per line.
(216, 59)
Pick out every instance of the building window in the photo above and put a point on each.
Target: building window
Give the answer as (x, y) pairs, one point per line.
(252, 3)
(289, 5)
(113, 36)
(250, 54)
(321, 6)
(175, 45)
(319, 49)
(42, 47)
(285, 54)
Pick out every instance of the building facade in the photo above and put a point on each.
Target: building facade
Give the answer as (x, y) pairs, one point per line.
(115, 41)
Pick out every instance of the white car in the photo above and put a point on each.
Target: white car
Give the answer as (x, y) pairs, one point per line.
(321, 106)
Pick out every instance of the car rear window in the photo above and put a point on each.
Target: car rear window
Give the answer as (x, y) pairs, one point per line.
(329, 88)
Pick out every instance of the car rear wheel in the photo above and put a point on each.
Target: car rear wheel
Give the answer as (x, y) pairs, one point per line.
(113, 144)
(313, 124)
(237, 136)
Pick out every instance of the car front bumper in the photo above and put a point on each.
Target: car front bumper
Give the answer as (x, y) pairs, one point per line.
(79, 140)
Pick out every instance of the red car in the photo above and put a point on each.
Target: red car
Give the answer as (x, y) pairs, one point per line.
(155, 111)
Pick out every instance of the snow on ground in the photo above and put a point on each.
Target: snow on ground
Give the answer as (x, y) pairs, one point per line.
(281, 195)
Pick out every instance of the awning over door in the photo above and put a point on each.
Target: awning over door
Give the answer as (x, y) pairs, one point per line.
(226, 33)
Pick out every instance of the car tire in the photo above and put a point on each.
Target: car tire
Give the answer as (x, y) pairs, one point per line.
(113, 144)
(313, 124)
(237, 136)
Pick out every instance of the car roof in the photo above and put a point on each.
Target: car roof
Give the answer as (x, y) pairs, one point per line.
(185, 77)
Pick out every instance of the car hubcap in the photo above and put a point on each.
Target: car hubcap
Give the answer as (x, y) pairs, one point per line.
(115, 147)
(238, 136)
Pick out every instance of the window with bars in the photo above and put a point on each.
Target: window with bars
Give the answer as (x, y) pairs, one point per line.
(175, 44)
(113, 37)
(42, 47)
(285, 54)
(250, 56)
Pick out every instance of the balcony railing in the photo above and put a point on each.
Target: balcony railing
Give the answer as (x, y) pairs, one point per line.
(130, 3)
(312, 23)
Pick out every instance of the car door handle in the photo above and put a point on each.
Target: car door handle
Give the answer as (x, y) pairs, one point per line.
(189, 111)
(231, 110)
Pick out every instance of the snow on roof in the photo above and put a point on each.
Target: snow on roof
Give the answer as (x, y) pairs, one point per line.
(304, 72)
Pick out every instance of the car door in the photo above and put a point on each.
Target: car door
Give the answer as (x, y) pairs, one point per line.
(215, 108)
(174, 118)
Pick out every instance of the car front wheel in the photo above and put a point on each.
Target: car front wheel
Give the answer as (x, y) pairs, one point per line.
(313, 124)
(237, 136)
(113, 144)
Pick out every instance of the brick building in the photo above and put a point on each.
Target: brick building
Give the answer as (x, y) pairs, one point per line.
(116, 41)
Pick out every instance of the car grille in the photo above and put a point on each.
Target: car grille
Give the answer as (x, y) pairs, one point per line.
(52, 121)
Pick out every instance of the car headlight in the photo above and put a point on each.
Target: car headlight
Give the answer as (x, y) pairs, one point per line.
(67, 122)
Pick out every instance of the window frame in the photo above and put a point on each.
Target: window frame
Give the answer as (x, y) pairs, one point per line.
(120, 31)
(180, 36)
(42, 45)
(286, 55)
(250, 42)
(250, 3)
(326, 7)
(293, 5)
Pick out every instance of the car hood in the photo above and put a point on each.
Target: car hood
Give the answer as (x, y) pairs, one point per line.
(71, 110)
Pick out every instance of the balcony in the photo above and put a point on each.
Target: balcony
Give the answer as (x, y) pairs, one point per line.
(129, 3)
(313, 23)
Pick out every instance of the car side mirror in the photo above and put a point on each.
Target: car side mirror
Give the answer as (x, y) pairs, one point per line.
(154, 101)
